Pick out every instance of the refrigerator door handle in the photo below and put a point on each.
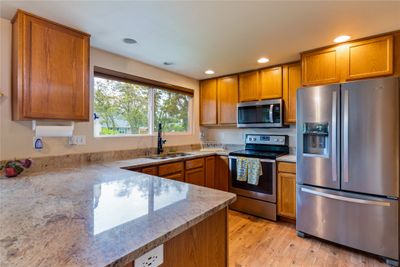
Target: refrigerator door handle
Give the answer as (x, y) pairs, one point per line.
(346, 136)
(334, 136)
(347, 199)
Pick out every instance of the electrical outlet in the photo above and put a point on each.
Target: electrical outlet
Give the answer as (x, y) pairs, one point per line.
(77, 140)
(153, 258)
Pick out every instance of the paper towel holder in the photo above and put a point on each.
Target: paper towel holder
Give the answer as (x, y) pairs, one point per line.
(35, 126)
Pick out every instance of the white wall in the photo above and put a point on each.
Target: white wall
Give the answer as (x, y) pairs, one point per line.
(16, 137)
(236, 136)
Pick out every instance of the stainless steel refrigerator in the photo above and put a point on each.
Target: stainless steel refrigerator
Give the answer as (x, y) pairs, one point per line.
(348, 164)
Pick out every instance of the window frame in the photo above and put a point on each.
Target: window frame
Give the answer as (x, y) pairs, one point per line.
(153, 85)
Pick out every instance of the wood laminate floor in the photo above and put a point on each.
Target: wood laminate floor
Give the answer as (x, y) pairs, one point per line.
(256, 242)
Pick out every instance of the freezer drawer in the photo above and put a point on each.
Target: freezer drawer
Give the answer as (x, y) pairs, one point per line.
(362, 222)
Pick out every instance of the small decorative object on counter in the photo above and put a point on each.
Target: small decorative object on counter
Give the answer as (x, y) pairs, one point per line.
(15, 167)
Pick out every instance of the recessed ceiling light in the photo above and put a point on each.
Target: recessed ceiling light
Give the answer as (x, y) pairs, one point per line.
(342, 38)
(168, 63)
(263, 60)
(129, 41)
(209, 72)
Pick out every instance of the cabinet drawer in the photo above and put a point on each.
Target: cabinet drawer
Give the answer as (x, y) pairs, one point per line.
(287, 167)
(150, 170)
(170, 168)
(194, 163)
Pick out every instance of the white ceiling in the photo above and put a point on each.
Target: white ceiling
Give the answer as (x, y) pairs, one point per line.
(225, 36)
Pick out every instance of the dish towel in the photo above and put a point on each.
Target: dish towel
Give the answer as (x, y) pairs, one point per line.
(241, 169)
(254, 171)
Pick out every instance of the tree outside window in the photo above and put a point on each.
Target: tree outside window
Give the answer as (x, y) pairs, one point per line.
(128, 108)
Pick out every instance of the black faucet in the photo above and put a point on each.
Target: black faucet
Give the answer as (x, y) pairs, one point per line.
(160, 141)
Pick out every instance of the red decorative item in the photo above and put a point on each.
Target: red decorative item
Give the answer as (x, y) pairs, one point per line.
(11, 172)
(14, 168)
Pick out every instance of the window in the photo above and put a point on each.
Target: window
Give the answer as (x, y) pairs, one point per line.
(126, 107)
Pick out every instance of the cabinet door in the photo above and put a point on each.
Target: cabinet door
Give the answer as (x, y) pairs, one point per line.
(222, 173)
(208, 102)
(170, 168)
(287, 195)
(176, 176)
(291, 82)
(210, 172)
(227, 99)
(249, 86)
(320, 67)
(370, 58)
(150, 170)
(271, 83)
(51, 70)
(195, 176)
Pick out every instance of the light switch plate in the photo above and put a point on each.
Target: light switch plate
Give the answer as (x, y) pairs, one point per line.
(77, 140)
(153, 258)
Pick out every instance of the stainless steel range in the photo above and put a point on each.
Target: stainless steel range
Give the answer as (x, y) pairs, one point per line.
(260, 199)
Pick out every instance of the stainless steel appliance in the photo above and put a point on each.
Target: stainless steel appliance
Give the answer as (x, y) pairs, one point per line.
(259, 200)
(260, 114)
(348, 164)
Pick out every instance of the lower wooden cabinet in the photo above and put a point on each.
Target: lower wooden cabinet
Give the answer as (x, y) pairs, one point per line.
(211, 171)
(222, 173)
(195, 176)
(287, 190)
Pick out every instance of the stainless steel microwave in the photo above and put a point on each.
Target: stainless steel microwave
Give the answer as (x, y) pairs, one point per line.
(260, 114)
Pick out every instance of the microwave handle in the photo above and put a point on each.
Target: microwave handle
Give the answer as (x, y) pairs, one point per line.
(271, 113)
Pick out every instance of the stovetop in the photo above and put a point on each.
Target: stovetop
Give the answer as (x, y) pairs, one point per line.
(256, 154)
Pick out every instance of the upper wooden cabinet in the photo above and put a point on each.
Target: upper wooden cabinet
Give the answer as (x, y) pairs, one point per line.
(271, 83)
(227, 99)
(249, 86)
(50, 70)
(208, 102)
(370, 58)
(218, 100)
(291, 82)
(321, 67)
(366, 58)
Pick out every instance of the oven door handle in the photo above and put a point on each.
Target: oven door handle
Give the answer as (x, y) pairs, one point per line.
(262, 160)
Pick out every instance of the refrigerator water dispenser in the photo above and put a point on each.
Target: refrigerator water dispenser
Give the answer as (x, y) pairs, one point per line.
(315, 139)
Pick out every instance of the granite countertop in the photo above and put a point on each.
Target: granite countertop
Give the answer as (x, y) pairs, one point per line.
(287, 158)
(97, 215)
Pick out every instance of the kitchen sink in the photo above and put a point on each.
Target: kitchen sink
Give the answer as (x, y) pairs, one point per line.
(168, 156)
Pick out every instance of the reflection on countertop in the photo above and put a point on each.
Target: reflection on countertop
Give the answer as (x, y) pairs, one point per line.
(287, 158)
(96, 216)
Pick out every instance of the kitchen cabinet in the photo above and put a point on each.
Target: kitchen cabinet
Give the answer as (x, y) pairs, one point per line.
(50, 70)
(210, 172)
(150, 170)
(249, 86)
(291, 82)
(321, 66)
(271, 83)
(195, 176)
(175, 176)
(227, 99)
(222, 173)
(208, 102)
(194, 171)
(359, 59)
(171, 170)
(287, 190)
(370, 58)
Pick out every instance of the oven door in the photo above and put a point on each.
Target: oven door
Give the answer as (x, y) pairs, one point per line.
(260, 114)
(266, 188)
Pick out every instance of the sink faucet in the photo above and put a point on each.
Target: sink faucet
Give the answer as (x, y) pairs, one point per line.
(160, 141)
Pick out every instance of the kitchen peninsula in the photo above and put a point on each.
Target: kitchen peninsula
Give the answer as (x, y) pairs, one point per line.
(73, 217)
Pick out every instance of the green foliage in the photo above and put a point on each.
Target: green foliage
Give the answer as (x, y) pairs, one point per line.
(122, 105)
